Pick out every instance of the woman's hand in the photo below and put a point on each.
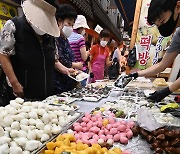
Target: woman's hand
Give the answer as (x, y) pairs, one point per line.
(77, 65)
(71, 71)
(18, 90)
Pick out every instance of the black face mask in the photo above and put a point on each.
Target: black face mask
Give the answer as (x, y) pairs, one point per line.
(168, 28)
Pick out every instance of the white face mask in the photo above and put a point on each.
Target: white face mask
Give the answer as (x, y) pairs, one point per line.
(37, 30)
(103, 43)
(67, 31)
(83, 32)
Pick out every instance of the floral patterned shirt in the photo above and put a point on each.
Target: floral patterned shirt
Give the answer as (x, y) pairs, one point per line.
(66, 57)
(7, 40)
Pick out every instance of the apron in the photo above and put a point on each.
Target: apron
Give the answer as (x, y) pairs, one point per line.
(98, 66)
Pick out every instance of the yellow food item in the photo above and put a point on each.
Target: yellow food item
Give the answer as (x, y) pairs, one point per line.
(79, 147)
(160, 82)
(105, 122)
(49, 151)
(50, 145)
(59, 143)
(117, 150)
(70, 137)
(60, 138)
(102, 109)
(96, 146)
(90, 150)
(85, 146)
(73, 145)
(58, 151)
(67, 143)
(111, 152)
(98, 152)
(95, 112)
(83, 152)
(64, 147)
(103, 150)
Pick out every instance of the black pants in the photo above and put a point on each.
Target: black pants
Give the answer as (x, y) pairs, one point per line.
(6, 92)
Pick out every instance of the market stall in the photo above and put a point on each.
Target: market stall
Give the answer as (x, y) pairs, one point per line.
(105, 117)
(7, 11)
(99, 117)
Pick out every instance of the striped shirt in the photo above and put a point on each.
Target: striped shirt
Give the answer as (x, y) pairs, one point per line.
(77, 41)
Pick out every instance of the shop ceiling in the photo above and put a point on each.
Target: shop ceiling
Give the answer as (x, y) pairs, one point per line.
(94, 12)
(127, 9)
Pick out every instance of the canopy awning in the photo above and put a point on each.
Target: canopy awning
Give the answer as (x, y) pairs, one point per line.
(92, 33)
(127, 10)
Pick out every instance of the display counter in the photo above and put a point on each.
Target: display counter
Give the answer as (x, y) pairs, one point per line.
(98, 117)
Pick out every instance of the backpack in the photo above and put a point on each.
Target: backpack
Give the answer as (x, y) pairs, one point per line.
(114, 69)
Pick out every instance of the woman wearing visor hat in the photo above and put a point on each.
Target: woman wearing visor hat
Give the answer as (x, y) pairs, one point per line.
(27, 51)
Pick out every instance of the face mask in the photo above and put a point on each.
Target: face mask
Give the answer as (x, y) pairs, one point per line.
(37, 30)
(103, 43)
(168, 28)
(67, 31)
(83, 32)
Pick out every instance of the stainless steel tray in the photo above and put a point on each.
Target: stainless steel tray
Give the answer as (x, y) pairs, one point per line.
(136, 145)
(43, 146)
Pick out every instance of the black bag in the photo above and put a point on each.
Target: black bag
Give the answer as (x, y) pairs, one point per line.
(131, 60)
(6, 92)
(114, 69)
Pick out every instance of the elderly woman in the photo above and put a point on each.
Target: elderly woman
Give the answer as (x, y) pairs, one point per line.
(66, 17)
(27, 51)
(77, 42)
(99, 56)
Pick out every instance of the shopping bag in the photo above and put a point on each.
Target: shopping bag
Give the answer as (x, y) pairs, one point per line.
(114, 69)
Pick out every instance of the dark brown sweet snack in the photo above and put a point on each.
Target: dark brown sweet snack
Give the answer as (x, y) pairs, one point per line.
(158, 150)
(155, 145)
(169, 150)
(150, 139)
(159, 131)
(172, 150)
(170, 134)
(163, 140)
(143, 133)
(154, 133)
(177, 133)
(161, 137)
(135, 131)
(165, 144)
(176, 142)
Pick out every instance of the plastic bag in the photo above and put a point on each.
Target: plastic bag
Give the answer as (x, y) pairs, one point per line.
(147, 121)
